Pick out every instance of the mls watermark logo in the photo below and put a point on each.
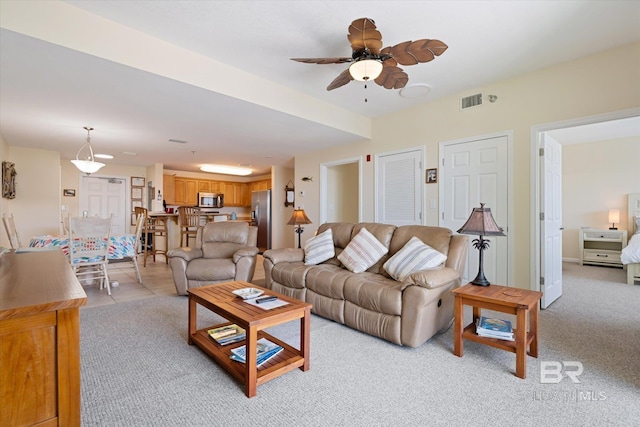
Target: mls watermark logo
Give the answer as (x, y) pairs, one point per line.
(553, 372)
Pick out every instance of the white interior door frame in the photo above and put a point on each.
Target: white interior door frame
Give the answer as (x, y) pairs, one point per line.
(510, 191)
(324, 206)
(536, 180)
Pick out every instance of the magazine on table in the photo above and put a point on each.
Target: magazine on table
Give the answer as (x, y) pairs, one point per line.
(266, 350)
(494, 328)
(227, 334)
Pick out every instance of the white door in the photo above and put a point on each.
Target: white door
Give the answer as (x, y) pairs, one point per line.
(399, 188)
(105, 196)
(475, 172)
(551, 227)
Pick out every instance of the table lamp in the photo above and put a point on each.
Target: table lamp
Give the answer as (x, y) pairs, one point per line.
(481, 222)
(614, 217)
(299, 218)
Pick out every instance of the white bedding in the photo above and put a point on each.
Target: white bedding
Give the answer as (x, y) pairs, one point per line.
(631, 254)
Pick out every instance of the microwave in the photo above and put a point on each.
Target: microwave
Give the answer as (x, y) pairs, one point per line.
(210, 200)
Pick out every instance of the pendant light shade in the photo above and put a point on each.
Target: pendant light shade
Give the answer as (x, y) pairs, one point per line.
(89, 165)
(365, 69)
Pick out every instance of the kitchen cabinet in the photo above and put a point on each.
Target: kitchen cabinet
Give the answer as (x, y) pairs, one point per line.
(204, 186)
(169, 189)
(186, 191)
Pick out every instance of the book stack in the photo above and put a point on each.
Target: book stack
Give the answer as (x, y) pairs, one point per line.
(494, 328)
(229, 334)
(266, 350)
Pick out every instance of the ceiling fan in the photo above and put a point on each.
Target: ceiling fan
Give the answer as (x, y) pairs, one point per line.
(370, 62)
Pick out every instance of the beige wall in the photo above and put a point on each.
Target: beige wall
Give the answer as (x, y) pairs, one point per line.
(588, 86)
(282, 235)
(342, 193)
(37, 204)
(596, 177)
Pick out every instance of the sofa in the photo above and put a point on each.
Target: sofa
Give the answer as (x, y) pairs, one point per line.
(223, 251)
(406, 312)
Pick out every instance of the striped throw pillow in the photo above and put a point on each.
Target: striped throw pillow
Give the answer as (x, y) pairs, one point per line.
(414, 256)
(319, 248)
(362, 252)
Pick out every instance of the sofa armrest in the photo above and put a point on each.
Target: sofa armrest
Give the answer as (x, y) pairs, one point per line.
(186, 254)
(284, 255)
(249, 251)
(433, 279)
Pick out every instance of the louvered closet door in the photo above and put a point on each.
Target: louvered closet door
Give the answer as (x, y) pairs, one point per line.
(399, 188)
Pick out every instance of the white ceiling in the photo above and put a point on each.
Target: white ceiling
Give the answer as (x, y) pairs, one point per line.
(50, 89)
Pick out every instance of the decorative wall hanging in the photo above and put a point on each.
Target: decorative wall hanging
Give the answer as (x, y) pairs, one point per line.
(68, 192)
(432, 176)
(8, 180)
(289, 194)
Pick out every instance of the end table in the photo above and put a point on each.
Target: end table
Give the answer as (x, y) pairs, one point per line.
(520, 302)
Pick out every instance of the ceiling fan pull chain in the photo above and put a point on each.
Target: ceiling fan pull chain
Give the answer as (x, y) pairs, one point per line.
(365, 92)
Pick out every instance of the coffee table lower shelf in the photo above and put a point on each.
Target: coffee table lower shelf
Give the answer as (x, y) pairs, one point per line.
(287, 360)
(469, 333)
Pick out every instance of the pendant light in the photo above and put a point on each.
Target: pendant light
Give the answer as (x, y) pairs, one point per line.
(88, 166)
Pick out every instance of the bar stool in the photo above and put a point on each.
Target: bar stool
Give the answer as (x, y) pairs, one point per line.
(189, 218)
(154, 227)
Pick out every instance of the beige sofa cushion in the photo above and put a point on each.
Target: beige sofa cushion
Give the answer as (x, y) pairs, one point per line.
(319, 248)
(362, 252)
(414, 256)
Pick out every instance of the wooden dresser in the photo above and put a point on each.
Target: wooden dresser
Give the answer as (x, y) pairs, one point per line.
(40, 299)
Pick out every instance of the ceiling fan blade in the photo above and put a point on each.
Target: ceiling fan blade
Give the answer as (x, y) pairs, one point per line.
(392, 77)
(323, 60)
(364, 35)
(341, 80)
(414, 52)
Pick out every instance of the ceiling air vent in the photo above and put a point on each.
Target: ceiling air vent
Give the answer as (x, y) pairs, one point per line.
(471, 101)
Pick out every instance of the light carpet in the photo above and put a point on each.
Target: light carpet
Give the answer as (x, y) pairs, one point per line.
(137, 370)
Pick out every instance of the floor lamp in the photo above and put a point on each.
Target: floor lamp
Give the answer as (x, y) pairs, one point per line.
(299, 218)
(481, 222)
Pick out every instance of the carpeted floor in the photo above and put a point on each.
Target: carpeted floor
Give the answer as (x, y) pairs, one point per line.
(137, 370)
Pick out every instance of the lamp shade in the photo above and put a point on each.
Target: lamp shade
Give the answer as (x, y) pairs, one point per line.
(614, 216)
(365, 69)
(87, 166)
(481, 222)
(299, 218)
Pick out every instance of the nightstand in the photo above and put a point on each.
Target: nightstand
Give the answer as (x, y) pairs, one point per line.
(602, 247)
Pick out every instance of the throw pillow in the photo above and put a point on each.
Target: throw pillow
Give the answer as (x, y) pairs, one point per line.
(319, 248)
(362, 252)
(414, 256)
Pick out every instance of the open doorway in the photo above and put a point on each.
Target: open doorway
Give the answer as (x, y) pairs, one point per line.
(604, 127)
(341, 191)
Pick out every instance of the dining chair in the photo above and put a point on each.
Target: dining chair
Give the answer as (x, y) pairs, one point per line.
(12, 231)
(189, 218)
(132, 256)
(89, 248)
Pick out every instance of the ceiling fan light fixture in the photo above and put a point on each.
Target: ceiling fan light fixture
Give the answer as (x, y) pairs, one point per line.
(365, 69)
(88, 166)
(227, 170)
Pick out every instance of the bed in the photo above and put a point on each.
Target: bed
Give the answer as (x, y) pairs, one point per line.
(631, 254)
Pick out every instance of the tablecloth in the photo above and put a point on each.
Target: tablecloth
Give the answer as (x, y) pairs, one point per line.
(120, 246)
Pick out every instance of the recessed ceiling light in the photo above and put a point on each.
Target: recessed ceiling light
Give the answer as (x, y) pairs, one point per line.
(228, 170)
(414, 90)
(103, 156)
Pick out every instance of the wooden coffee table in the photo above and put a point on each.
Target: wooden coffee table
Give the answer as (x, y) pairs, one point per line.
(520, 302)
(219, 299)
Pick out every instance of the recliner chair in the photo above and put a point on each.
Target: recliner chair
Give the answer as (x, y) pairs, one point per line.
(223, 252)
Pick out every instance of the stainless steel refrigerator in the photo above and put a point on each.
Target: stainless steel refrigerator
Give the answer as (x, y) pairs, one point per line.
(261, 217)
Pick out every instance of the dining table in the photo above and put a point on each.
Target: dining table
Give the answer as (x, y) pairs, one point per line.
(120, 246)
